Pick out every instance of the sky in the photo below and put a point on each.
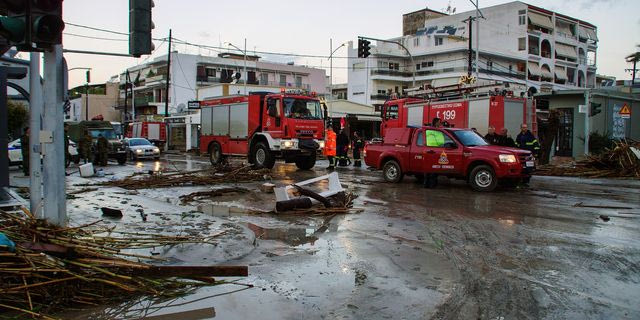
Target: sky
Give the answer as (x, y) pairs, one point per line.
(304, 27)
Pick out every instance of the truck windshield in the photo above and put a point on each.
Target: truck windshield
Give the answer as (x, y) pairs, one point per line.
(470, 138)
(302, 109)
(107, 133)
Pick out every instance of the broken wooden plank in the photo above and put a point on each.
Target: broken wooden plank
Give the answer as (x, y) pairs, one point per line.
(298, 203)
(193, 271)
(314, 195)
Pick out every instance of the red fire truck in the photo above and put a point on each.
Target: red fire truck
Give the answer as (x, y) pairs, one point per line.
(480, 112)
(156, 132)
(263, 126)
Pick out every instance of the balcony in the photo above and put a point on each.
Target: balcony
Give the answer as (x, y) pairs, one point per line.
(156, 78)
(387, 72)
(142, 101)
(380, 97)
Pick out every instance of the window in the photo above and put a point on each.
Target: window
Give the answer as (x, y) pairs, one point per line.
(264, 78)
(357, 66)
(490, 65)
(302, 108)
(437, 139)
(396, 66)
(283, 80)
(418, 66)
(416, 42)
(420, 140)
(522, 20)
(438, 41)
(522, 44)
(298, 81)
(211, 72)
(273, 107)
(391, 112)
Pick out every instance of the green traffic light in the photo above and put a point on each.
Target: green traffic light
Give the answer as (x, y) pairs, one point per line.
(13, 29)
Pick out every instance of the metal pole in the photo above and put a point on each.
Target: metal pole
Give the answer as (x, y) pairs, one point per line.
(587, 102)
(477, 40)
(86, 101)
(470, 51)
(36, 105)
(55, 210)
(133, 102)
(4, 134)
(245, 66)
(330, 76)
(166, 94)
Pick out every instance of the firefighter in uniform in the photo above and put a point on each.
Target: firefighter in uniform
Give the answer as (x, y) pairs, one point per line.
(492, 137)
(103, 150)
(343, 149)
(330, 146)
(24, 149)
(85, 146)
(358, 144)
(527, 141)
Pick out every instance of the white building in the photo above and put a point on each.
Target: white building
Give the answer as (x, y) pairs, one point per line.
(190, 72)
(523, 45)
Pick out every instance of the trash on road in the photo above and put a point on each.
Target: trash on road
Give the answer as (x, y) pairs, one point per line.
(619, 161)
(86, 170)
(189, 178)
(200, 195)
(112, 213)
(55, 267)
(267, 187)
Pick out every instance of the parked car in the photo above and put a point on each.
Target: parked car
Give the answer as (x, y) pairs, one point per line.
(139, 148)
(15, 153)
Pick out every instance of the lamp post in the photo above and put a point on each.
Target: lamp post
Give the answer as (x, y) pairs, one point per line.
(331, 71)
(245, 61)
(86, 90)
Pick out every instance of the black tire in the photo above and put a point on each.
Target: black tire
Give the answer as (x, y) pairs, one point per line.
(122, 159)
(215, 154)
(392, 171)
(306, 163)
(483, 179)
(262, 156)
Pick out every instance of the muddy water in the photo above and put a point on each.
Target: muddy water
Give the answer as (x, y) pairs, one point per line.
(414, 253)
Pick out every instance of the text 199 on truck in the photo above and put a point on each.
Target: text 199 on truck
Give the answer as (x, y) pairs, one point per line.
(263, 126)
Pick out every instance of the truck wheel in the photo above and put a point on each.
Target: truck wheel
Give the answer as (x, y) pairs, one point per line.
(262, 157)
(122, 159)
(392, 171)
(306, 163)
(482, 178)
(215, 154)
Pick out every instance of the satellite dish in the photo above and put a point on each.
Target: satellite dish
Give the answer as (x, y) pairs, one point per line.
(181, 108)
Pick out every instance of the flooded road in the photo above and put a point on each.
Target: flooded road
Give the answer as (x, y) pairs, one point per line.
(562, 248)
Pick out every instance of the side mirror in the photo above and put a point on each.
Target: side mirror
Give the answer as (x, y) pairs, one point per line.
(450, 145)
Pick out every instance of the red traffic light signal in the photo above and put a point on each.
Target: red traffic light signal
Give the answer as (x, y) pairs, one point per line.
(364, 46)
(47, 23)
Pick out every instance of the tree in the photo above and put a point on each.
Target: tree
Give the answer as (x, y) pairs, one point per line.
(634, 58)
(17, 116)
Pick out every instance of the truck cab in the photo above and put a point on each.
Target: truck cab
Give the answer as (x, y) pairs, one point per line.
(455, 153)
(96, 128)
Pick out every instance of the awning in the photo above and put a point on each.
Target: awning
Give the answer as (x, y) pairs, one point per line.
(561, 74)
(540, 20)
(562, 27)
(546, 72)
(534, 69)
(566, 51)
(587, 33)
(368, 118)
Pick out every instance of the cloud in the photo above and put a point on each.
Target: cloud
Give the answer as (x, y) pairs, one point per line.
(204, 34)
(589, 4)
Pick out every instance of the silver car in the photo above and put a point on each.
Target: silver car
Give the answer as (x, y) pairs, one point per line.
(141, 148)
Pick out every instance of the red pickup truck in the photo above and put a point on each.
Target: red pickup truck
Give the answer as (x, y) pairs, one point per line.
(456, 153)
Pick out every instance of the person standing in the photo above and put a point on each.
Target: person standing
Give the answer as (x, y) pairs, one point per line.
(436, 122)
(343, 147)
(505, 140)
(358, 144)
(103, 150)
(330, 146)
(527, 141)
(67, 155)
(492, 137)
(24, 149)
(86, 142)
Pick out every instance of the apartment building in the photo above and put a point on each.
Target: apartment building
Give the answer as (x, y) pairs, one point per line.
(526, 46)
(191, 72)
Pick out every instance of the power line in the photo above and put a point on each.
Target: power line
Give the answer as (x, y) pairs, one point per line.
(92, 37)
(96, 29)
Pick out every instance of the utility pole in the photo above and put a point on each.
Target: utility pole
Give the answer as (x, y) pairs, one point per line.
(55, 210)
(36, 105)
(245, 67)
(126, 92)
(587, 102)
(86, 96)
(477, 40)
(166, 94)
(470, 51)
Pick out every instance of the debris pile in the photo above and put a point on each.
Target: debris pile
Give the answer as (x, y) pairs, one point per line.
(201, 195)
(622, 160)
(51, 267)
(340, 203)
(223, 174)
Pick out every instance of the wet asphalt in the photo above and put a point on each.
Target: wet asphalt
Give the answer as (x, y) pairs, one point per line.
(561, 248)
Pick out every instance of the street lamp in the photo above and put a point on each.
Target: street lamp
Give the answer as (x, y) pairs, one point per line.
(331, 71)
(245, 61)
(86, 90)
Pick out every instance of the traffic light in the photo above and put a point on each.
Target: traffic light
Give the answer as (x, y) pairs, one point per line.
(364, 46)
(32, 22)
(595, 109)
(140, 26)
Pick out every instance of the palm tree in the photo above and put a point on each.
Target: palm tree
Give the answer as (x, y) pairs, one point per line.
(634, 58)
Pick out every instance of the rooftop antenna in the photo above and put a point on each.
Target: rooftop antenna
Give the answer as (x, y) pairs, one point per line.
(449, 10)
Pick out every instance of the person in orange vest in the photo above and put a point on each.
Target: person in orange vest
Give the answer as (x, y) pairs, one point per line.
(330, 146)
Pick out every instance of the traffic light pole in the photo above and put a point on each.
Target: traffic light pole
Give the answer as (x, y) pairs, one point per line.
(55, 210)
(403, 47)
(36, 105)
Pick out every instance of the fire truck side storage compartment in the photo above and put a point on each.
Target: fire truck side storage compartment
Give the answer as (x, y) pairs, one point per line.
(205, 120)
(220, 120)
(238, 125)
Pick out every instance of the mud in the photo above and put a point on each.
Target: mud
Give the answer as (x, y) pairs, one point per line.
(414, 253)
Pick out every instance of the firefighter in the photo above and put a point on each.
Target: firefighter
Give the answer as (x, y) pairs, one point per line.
(103, 150)
(343, 148)
(330, 146)
(526, 140)
(492, 137)
(505, 140)
(436, 122)
(24, 149)
(358, 144)
(86, 142)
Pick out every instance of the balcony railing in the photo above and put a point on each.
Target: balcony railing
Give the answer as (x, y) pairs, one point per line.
(380, 97)
(159, 77)
(387, 72)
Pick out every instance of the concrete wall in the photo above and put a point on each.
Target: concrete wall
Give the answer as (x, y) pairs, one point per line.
(103, 104)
